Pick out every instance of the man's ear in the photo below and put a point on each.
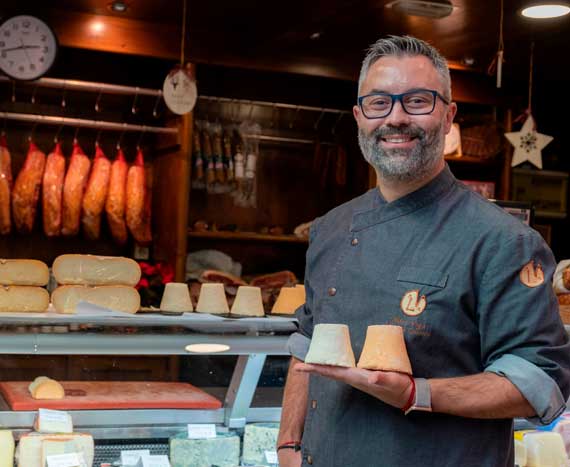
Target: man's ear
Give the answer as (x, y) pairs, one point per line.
(356, 112)
(449, 116)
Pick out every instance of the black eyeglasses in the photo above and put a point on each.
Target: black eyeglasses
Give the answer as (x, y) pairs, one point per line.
(416, 102)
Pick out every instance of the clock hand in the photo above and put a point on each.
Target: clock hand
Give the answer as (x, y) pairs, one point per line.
(25, 51)
(22, 48)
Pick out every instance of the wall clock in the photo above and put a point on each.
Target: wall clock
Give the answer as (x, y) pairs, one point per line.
(28, 47)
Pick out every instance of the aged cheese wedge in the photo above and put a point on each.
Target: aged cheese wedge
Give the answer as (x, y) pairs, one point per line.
(331, 345)
(33, 448)
(46, 388)
(385, 349)
(96, 270)
(7, 447)
(289, 299)
(114, 297)
(248, 302)
(53, 421)
(23, 272)
(212, 299)
(24, 298)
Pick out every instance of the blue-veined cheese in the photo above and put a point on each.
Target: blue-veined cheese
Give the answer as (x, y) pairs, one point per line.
(257, 439)
(222, 451)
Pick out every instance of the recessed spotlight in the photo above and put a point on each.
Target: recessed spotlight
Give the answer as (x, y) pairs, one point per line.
(118, 6)
(546, 10)
(207, 348)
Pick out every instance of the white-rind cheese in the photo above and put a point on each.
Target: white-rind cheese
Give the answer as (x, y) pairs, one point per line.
(23, 272)
(96, 270)
(114, 297)
(31, 452)
(222, 451)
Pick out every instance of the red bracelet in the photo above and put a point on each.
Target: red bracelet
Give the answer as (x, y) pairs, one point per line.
(412, 397)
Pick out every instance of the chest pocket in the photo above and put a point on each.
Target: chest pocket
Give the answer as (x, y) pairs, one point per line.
(423, 276)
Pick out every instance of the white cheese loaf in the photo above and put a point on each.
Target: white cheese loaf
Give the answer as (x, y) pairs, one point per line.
(46, 388)
(24, 298)
(33, 448)
(114, 297)
(96, 270)
(23, 272)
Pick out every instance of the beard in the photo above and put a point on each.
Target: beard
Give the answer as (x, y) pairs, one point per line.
(403, 165)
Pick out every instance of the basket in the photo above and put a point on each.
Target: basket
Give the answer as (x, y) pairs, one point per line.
(482, 141)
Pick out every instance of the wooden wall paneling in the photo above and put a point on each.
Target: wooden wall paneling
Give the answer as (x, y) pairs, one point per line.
(121, 368)
(27, 367)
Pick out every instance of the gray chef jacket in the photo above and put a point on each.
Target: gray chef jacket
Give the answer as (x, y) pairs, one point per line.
(371, 262)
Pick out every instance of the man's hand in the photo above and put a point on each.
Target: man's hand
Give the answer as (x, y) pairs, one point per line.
(390, 387)
(289, 458)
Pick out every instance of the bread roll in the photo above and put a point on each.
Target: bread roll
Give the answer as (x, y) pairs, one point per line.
(96, 270)
(23, 272)
(115, 297)
(23, 298)
(46, 388)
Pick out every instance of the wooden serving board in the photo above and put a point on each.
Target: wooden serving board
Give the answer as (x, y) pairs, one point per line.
(112, 395)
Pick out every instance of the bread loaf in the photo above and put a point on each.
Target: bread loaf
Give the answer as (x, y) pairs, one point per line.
(96, 270)
(23, 298)
(46, 388)
(23, 272)
(114, 297)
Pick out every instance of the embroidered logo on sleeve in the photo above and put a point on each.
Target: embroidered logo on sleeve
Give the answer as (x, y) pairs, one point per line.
(412, 304)
(531, 275)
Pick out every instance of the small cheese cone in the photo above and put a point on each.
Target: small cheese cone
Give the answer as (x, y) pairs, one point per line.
(331, 345)
(248, 302)
(176, 298)
(385, 349)
(289, 299)
(212, 299)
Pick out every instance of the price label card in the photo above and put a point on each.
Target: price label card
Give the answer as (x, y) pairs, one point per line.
(49, 415)
(72, 459)
(131, 457)
(271, 457)
(201, 431)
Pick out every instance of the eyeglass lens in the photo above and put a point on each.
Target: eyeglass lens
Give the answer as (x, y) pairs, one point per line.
(415, 103)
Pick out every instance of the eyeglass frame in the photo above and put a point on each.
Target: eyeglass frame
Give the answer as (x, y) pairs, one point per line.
(398, 97)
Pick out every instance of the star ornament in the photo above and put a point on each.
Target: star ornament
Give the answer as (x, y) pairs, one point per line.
(528, 144)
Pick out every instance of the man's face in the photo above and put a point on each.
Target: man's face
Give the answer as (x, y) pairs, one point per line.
(403, 147)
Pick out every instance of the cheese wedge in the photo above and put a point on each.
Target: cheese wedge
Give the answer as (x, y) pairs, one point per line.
(46, 388)
(96, 270)
(114, 297)
(7, 447)
(33, 448)
(331, 345)
(248, 302)
(23, 298)
(53, 421)
(23, 272)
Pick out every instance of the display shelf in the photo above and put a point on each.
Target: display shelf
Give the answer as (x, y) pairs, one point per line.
(248, 236)
(471, 160)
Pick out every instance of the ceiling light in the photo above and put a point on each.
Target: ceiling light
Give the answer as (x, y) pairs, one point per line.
(207, 348)
(118, 6)
(550, 10)
(97, 26)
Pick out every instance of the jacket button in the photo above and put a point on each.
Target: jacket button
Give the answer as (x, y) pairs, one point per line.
(310, 460)
(314, 404)
(332, 291)
(354, 242)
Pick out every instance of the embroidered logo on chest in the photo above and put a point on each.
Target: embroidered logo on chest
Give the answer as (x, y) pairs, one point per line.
(531, 275)
(412, 304)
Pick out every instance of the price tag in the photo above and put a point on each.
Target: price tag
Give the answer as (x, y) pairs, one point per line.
(154, 461)
(132, 457)
(201, 431)
(271, 457)
(72, 459)
(49, 415)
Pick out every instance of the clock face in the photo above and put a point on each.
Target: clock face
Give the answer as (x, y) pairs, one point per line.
(27, 47)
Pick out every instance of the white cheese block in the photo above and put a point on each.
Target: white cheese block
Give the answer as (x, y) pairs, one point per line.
(46, 388)
(257, 440)
(330, 345)
(222, 451)
(7, 447)
(176, 298)
(114, 297)
(23, 298)
(31, 452)
(96, 270)
(212, 299)
(248, 302)
(544, 449)
(23, 272)
(53, 421)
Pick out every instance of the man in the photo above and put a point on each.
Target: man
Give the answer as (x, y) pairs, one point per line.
(469, 284)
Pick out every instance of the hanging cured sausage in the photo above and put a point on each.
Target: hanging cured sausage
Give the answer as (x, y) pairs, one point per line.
(73, 189)
(52, 191)
(138, 202)
(115, 205)
(26, 191)
(5, 187)
(96, 195)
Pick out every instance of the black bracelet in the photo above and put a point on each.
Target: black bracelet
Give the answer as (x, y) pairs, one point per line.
(296, 447)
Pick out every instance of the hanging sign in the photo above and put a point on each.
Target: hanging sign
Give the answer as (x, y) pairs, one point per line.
(180, 91)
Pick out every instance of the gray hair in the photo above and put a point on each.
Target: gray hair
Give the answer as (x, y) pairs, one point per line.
(400, 46)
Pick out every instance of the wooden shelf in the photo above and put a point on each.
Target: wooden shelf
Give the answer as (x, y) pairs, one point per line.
(472, 160)
(248, 236)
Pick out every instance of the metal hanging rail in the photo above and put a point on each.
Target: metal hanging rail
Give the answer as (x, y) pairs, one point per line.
(91, 86)
(79, 122)
(279, 105)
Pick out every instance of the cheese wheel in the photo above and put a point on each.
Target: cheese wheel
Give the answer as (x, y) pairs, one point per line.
(16, 298)
(96, 270)
(114, 297)
(46, 388)
(23, 272)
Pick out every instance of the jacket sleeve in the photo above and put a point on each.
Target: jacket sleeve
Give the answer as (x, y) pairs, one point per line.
(522, 336)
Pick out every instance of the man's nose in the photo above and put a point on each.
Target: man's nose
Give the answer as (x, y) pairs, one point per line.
(398, 116)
